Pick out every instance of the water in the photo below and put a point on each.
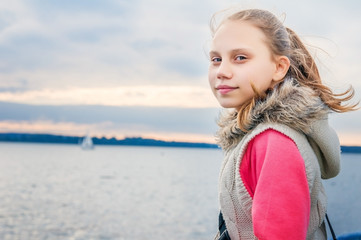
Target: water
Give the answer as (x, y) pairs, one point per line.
(62, 192)
(344, 196)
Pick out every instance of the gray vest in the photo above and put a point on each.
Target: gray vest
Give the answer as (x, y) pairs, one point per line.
(236, 203)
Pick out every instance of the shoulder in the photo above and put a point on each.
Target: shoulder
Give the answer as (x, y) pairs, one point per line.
(268, 140)
(275, 134)
(270, 144)
(271, 138)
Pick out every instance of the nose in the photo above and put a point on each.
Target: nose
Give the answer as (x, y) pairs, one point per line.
(224, 71)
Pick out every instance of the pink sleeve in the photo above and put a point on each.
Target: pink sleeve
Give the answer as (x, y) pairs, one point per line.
(274, 174)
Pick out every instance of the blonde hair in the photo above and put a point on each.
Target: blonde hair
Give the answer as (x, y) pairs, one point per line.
(282, 41)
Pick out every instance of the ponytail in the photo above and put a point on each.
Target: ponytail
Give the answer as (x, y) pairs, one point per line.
(304, 69)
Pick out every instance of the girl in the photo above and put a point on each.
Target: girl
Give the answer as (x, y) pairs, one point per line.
(277, 141)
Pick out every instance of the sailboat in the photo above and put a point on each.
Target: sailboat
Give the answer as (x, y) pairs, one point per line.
(87, 143)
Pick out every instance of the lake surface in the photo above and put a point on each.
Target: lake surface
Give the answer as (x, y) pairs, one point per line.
(114, 192)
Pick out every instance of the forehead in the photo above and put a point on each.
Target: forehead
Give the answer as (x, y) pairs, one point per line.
(238, 34)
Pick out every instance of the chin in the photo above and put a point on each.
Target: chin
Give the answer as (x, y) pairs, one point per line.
(228, 105)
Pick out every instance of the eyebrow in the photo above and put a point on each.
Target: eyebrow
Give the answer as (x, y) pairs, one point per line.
(213, 53)
(233, 51)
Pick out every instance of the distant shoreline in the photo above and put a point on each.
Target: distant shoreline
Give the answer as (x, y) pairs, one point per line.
(129, 141)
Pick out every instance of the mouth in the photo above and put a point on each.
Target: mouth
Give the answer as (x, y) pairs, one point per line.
(224, 89)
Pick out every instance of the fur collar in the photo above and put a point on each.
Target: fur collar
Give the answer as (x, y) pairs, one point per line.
(289, 103)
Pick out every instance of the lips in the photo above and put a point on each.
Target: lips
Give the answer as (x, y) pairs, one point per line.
(224, 89)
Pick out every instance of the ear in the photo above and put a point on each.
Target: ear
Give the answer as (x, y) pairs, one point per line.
(282, 66)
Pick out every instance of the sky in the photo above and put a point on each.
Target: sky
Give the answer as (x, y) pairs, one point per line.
(118, 68)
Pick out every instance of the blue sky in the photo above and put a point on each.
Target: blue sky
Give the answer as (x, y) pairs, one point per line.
(139, 68)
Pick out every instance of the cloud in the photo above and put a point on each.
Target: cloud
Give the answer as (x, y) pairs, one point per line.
(106, 7)
(104, 129)
(156, 96)
(347, 126)
(63, 128)
(112, 43)
(119, 121)
(186, 124)
(148, 53)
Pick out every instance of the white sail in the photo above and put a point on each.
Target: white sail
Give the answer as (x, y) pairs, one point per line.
(87, 143)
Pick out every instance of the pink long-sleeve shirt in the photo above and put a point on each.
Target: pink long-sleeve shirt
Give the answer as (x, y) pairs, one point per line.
(273, 172)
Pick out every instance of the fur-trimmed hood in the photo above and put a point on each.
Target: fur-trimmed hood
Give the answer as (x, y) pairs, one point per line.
(296, 106)
(289, 103)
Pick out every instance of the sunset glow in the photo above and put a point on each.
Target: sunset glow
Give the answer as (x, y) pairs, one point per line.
(140, 68)
(163, 96)
(97, 130)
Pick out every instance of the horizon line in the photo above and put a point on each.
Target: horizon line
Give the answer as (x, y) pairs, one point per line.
(129, 138)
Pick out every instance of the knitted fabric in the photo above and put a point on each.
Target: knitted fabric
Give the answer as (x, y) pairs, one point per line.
(316, 141)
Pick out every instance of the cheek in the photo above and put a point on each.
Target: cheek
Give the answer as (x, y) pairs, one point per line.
(263, 77)
(211, 76)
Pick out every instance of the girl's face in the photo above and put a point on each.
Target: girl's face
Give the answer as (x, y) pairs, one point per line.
(239, 56)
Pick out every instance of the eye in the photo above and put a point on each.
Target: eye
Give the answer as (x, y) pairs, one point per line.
(216, 59)
(240, 58)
